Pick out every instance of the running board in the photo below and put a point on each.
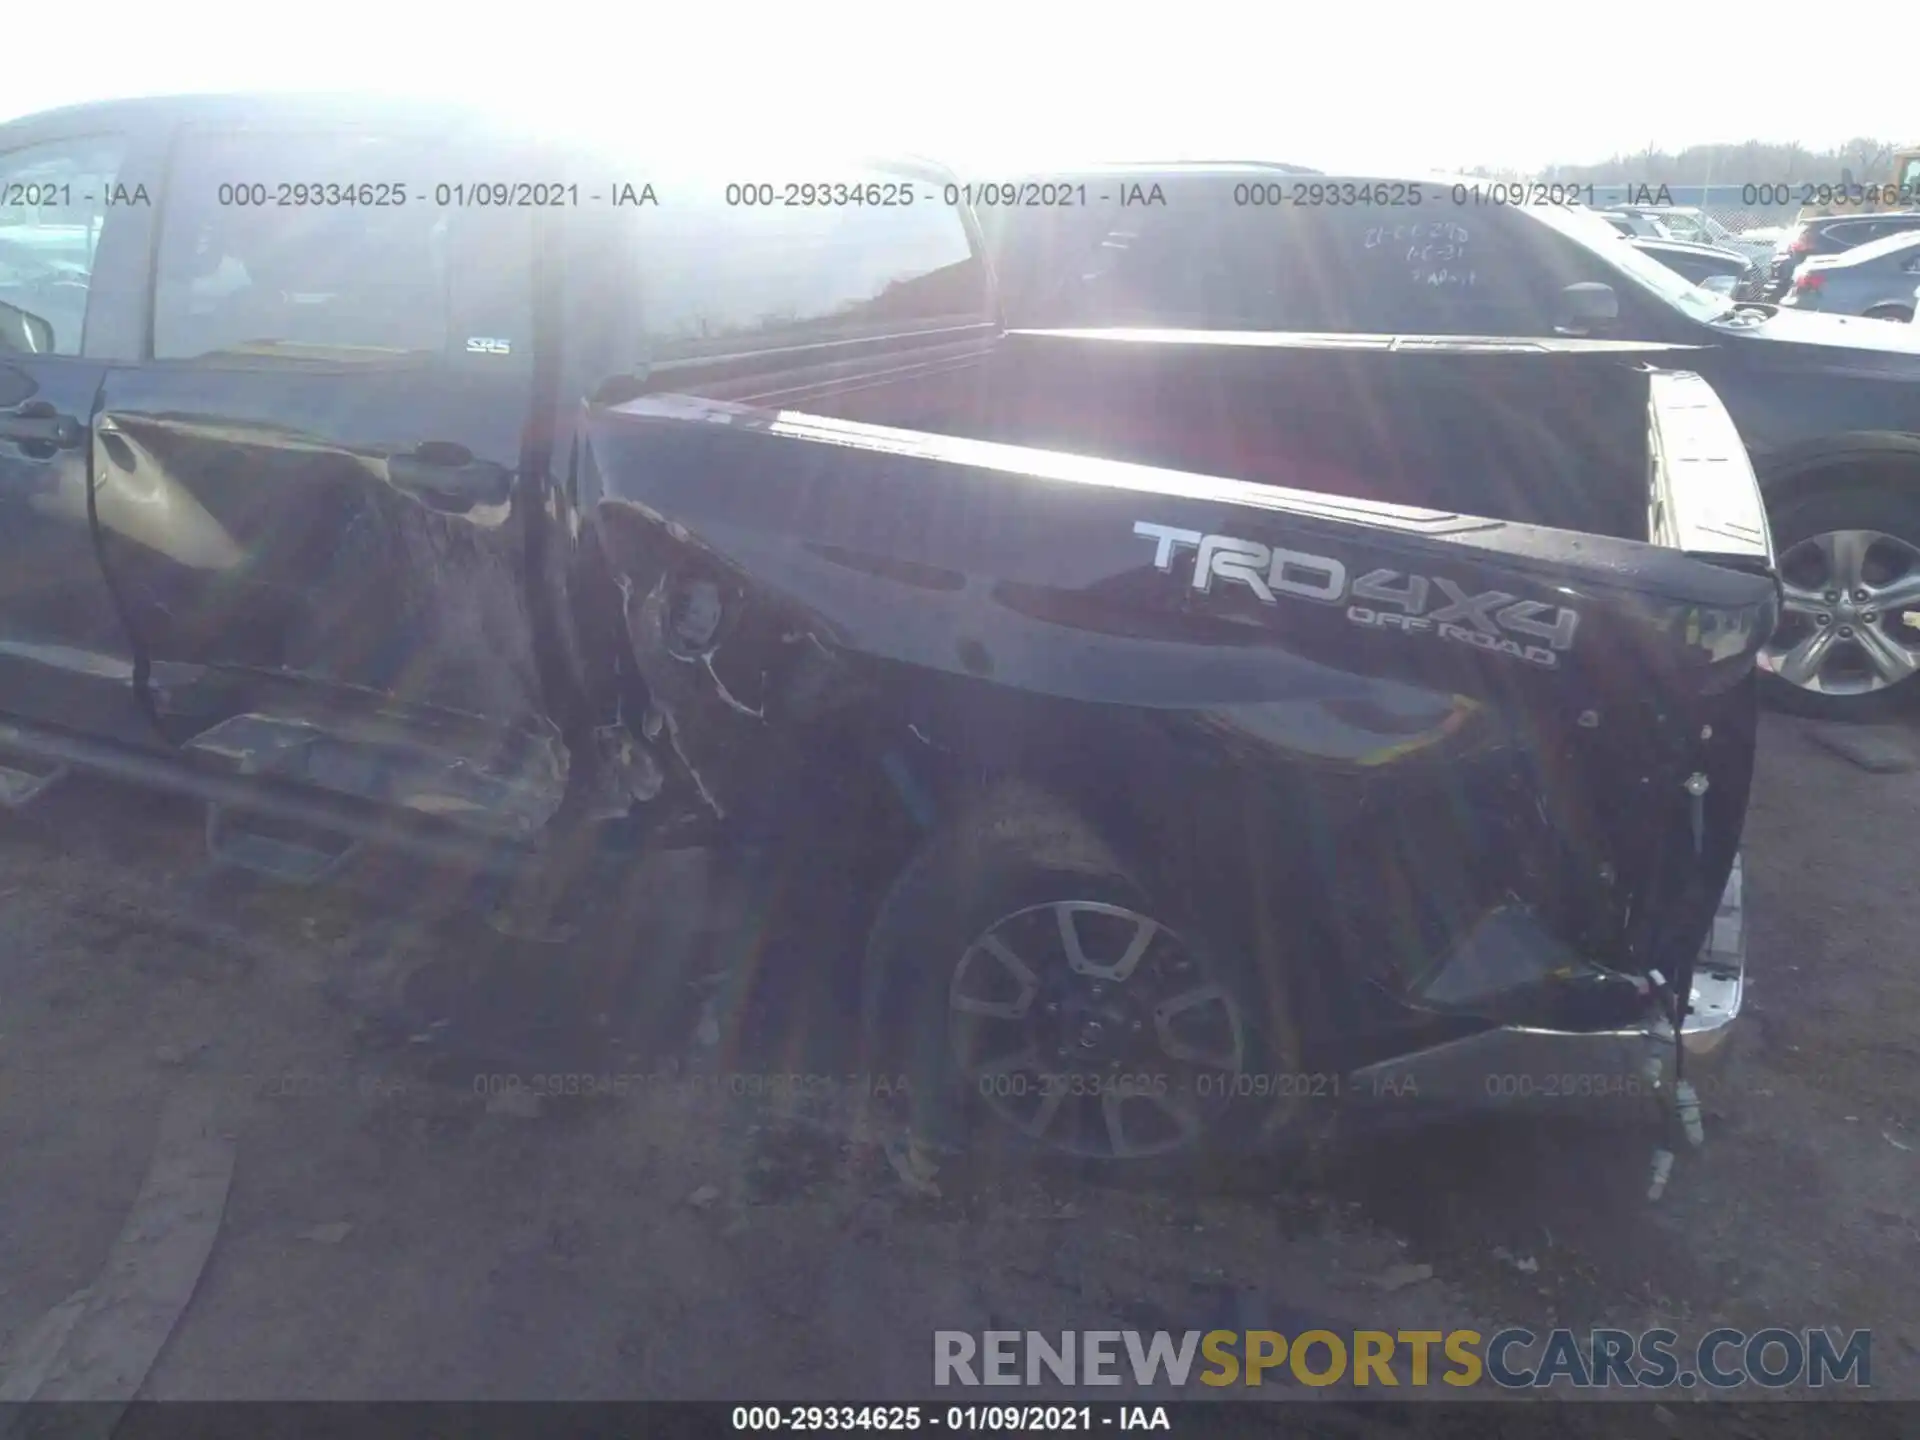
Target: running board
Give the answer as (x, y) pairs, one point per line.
(44, 750)
(26, 780)
(297, 855)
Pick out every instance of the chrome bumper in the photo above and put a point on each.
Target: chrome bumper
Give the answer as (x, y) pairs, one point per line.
(1520, 1067)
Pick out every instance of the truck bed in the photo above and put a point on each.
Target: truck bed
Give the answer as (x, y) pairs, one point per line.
(1542, 432)
(1481, 674)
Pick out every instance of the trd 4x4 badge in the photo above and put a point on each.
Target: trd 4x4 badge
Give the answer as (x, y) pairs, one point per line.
(1393, 599)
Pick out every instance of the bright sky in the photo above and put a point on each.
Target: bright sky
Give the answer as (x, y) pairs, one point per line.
(1383, 85)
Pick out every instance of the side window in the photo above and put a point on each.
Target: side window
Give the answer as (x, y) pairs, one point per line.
(1200, 267)
(1436, 269)
(284, 245)
(1040, 255)
(718, 277)
(53, 204)
(1210, 264)
(1692, 267)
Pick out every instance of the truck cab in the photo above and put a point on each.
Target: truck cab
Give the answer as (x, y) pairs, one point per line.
(283, 441)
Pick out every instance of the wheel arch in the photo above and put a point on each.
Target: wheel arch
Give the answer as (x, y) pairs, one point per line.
(1864, 458)
(1193, 821)
(1023, 844)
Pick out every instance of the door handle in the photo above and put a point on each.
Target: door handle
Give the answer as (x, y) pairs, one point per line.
(38, 423)
(450, 472)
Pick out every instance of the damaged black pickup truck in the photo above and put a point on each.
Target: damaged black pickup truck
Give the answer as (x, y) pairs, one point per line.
(1393, 742)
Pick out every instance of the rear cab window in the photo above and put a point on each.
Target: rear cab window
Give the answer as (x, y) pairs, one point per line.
(1208, 262)
(731, 267)
(1208, 259)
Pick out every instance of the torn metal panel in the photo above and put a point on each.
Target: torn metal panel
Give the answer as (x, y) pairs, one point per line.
(1535, 1067)
(624, 773)
(674, 631)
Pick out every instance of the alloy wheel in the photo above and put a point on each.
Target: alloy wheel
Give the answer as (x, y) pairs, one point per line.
(1851, 621)
(1095, 1031)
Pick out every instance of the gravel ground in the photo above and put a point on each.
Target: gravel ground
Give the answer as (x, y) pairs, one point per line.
(391, 1232)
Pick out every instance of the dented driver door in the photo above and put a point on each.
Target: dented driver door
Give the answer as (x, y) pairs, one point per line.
(314, 492)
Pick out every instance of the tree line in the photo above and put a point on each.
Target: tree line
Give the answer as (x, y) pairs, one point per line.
(1753, 162)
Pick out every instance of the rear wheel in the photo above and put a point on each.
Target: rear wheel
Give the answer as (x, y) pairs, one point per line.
(1848, 644)
(1901, 314)
(1038, 995)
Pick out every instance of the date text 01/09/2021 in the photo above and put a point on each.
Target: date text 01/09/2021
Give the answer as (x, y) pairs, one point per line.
(445, 194)
(962, 1419)
(1310, 194)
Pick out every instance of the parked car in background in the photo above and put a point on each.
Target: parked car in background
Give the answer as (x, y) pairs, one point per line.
(1875, 280)
(1630, 220)
(1692, 224)
(1830, 236)
(1773, 236)
(1829, 407)
(1725, 272)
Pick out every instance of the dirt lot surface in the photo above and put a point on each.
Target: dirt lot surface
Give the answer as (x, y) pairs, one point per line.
(391, 1230)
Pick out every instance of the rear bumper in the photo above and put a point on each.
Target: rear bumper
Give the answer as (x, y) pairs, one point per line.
(1516, 1067)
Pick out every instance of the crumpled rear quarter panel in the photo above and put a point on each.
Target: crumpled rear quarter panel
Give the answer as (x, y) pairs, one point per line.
(796, 594)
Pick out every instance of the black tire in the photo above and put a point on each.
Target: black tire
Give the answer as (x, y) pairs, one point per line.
(1010, 850)
(1898, 314)
(1890, 511)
